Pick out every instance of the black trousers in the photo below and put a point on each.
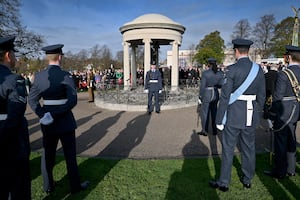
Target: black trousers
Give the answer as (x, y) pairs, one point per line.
(15, 181)
(50, 141)
(209, 109)
(156, 99)
(284, 142)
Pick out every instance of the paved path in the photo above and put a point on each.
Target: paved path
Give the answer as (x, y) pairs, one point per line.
(119, 134)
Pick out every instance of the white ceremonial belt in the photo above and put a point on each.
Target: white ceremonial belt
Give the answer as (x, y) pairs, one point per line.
(153, 81)
(3, 117)
(249, 99)
(55, 102)
(210, 88)
(289, 98)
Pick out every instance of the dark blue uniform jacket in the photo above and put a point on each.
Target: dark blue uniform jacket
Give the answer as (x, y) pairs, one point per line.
(14, 137)
(236, 112)
(150, 76)
(53, 83)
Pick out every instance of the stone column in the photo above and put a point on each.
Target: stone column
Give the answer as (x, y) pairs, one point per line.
(175, 70)
(126, 66)
(147, 55)
(133, 65)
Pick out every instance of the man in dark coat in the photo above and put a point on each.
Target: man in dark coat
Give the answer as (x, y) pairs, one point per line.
(285, 114)
(241, 102)
(56, 87)
(270, 77)
(15, 178)
(211, 80)
(153, 86)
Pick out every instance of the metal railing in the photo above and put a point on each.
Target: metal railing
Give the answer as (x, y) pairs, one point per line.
(136, 96)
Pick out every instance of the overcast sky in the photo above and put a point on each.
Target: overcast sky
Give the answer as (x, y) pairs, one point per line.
(81, 24)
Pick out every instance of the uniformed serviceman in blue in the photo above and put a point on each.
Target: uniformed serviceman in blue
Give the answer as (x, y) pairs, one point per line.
(211, 80)
(15, 180)
(285, 113)
(239, 112)
(56, 87)
(153, 86)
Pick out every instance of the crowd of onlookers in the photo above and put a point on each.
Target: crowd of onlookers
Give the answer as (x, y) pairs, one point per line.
(110, 77)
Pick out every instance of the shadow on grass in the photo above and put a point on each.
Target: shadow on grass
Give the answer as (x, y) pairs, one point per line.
(93, 169)
(84, 141)
(278, 188)
(192, 181)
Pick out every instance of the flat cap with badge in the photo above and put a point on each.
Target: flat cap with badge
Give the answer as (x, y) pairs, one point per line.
(54, 49)
(7, 43)
(241, 43)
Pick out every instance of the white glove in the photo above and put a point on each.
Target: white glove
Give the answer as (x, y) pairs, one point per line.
(146, 91)
(159, 91)
(270, 124)
(220, 127)
(199, 101)
(46, 119)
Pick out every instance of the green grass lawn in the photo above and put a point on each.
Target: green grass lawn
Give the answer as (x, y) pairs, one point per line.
(178, 179)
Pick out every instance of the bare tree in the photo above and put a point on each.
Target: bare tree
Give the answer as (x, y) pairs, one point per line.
(106, 57)
(27, 42)
(242, 29)
(95, 51)
(119, 57)
(9, 16)
(263, 33)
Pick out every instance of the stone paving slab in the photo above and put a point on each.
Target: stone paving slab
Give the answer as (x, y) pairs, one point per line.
(130, 134)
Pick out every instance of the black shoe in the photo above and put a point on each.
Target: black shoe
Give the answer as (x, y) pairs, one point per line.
(291, 174)
(157, 112)
(149, 113)
(202, 133)
(245, 185)
(214, 184)
(272, 174)
(51, 188)
(84, 185)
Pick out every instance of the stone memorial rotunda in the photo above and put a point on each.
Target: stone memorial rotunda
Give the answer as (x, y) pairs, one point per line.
(151, 31)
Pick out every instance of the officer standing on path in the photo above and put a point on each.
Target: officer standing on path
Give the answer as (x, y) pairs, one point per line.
(15, 178)
(285, 114)
(90, 85)
(241, 102)
(56, 87)
(153, 86)
(211, 80)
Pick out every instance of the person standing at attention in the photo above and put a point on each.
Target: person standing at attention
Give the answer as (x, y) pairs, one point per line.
(211, 80)
(56, 87)
(284, 113)
(153, 86)
(14, 137)
(241, 104)
(90, 85)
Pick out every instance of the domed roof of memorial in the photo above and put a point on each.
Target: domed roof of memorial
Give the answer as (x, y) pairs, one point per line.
(152, 20)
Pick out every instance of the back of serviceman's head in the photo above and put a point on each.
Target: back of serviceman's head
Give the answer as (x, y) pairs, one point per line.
(243, 45)
(53, 51)
(293, 51)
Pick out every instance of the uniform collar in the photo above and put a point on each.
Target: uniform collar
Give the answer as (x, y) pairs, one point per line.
(5, 67)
